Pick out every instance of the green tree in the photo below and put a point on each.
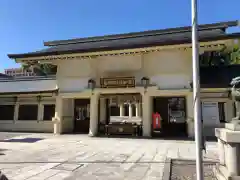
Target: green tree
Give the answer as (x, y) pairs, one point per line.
(41, 69)
(222, 57)
(235, 55)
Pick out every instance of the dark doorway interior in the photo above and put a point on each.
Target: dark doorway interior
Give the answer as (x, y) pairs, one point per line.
(107, 111)
(81, 115)
(173, 113)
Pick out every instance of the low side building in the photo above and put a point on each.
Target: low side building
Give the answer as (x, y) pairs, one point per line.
(113, 84)
(4, 75)
(27, 104)
(19, 72)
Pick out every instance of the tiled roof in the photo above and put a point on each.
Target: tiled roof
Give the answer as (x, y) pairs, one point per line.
(28, 84)
(209, 32)
(4, 75)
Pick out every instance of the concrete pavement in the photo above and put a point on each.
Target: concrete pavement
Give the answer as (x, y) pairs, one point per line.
(81, 157)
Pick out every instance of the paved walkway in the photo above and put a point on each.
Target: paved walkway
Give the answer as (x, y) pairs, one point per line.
(81, 157)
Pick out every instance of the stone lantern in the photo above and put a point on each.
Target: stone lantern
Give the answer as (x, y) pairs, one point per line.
(229, 140)
(145, 83)
(91, 84)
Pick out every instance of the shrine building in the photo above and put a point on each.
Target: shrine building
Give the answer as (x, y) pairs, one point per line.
(113, 84)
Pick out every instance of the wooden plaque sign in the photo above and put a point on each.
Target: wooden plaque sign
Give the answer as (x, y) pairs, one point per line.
(117, 82)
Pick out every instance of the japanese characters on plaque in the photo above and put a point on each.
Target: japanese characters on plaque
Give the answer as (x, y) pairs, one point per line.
(117, 82)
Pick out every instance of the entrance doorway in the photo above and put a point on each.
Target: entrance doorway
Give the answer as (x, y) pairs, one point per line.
(120, 114)
(81, 115)
(173, 113)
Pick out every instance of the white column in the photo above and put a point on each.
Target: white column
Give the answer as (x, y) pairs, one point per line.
(130, 110)
(121, 107)
(57, 120)
(16, 111)
(93, 115)
(67, 114)
(147, 115)
(40, 112)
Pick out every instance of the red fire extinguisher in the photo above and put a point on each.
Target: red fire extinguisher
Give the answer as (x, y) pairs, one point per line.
(157, 120)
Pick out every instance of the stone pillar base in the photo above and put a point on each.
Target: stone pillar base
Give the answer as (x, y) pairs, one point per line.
(56, 128)
(229, 152)
(57, 119)
(91, 134)
(221, 173)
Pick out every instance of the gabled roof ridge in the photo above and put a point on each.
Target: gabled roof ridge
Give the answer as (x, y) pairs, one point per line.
(219, 25)
(122, 44)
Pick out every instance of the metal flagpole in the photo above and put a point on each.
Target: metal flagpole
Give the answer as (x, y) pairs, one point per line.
(196, 92)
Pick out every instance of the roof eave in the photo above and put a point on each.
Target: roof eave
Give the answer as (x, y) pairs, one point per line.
(30, 92)
(221, 37)
(221, 25)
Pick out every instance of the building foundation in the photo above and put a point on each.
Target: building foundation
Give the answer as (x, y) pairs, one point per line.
(229, 152)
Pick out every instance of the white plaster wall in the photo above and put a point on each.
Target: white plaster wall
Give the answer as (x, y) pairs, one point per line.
(74, 68)
(119, 63)
(68, 115)
(171, 81)
(72, 84)
(167, 62)
(73, 75)
(27, 126)
(167, 69)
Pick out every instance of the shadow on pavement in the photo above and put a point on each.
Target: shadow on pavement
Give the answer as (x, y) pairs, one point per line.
(23, 140)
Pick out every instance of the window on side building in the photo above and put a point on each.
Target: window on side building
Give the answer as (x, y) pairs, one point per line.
(28, 112)
(6, 112)
(48, 112)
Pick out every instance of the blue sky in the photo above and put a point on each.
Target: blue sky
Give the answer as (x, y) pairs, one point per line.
(25, 24)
